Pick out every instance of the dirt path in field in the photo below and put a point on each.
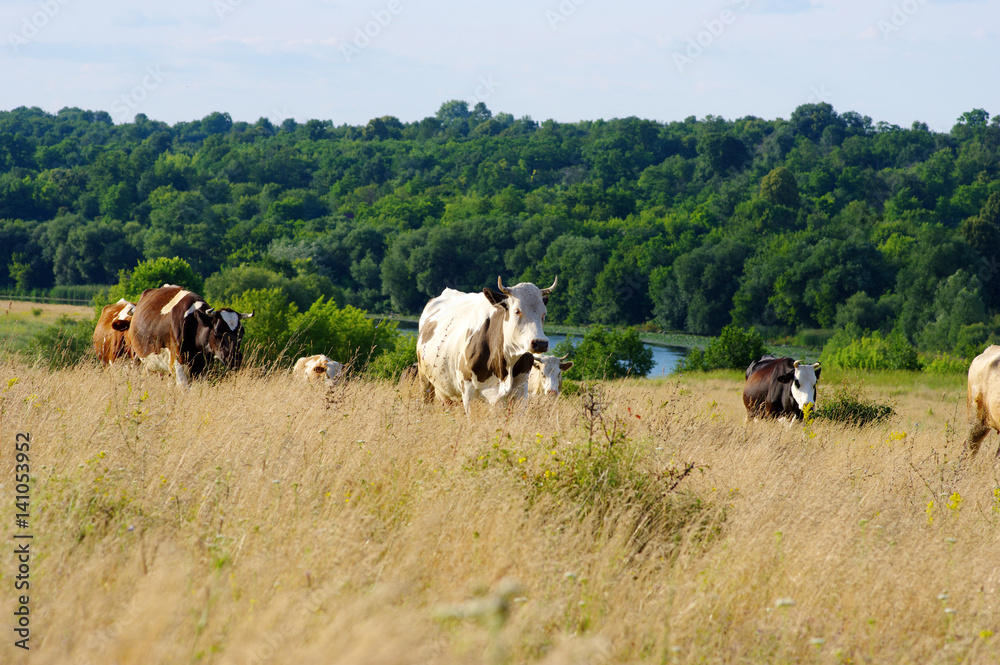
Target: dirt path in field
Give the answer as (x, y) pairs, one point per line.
(48, 311)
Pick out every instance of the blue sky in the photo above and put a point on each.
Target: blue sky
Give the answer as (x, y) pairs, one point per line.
(899, 61)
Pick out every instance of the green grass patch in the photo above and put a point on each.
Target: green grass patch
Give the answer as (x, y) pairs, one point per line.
(850, 404)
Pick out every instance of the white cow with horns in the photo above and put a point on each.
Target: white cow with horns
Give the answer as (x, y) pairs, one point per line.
(471, 344)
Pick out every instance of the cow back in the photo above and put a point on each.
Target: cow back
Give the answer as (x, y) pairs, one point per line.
(763, 394)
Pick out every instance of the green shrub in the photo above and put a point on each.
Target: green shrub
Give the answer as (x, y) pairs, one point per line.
(943, 363)
(267, 336)
(390, 365)
(607, 353)
(151, 274)
(278, 330)
(849, 404)
(346, 335)
(62, 344)
(734, 348)
(848, 349)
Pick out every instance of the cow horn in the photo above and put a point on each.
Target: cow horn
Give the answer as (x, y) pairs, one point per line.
(796, 364)
(500, 285)
(248, 316)
(547, 291)
(210, 311)
(564, 357)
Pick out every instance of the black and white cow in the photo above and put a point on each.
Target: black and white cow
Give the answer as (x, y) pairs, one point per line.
(174, 330)
(778, 387)
(472, 344)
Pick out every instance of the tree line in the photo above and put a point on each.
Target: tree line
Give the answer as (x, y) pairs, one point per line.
(824, 220)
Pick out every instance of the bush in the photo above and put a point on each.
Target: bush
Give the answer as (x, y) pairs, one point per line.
(346, 335)
(943, 363)
(278, 330)
(734, 348)
(390, 365)
(151, 274)
(607, 353)
(62, 344)
(848, 349)
(849, 404)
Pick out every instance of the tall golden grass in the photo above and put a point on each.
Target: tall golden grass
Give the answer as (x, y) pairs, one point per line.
(255, 519)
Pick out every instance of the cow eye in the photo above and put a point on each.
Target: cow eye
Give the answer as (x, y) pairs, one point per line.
(518, 312)
(797, 384)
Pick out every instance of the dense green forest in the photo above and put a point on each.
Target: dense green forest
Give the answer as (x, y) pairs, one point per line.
(824, 220)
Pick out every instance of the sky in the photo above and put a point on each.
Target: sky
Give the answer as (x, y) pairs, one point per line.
(897, 61)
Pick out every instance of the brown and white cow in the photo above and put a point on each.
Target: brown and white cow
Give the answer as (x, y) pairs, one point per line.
(109, 333)
(313, 368)
(174, 330)
(983, 400)
(546, 375)
(472, 344)
(777, 387)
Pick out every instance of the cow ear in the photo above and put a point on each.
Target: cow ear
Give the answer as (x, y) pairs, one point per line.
(785, 378)
(817, 368)
(566, 365)
(495, 297)
(537, 362)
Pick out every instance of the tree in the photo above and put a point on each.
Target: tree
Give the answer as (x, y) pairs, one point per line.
(150, 274)
(779, 187)
(607, 353)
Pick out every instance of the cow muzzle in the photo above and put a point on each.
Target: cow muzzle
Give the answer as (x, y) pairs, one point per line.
(539, 345)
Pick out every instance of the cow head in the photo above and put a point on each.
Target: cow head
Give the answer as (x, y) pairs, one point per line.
(221, 334)
(550, 371)
(803, 380)
(523, 318)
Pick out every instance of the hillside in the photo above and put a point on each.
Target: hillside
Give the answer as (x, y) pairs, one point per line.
(825, 219)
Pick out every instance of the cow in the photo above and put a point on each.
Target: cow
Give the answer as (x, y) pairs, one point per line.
(109, 333)
(983, 399)
(481, 344)
(546, 375)
(312, 368)
(777, 387)
(174, 330)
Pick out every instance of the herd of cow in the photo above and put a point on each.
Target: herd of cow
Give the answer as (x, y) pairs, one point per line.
(173, 330)
(469, 345)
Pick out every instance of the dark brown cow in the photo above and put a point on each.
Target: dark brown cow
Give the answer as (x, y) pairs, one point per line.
(175, 331)
(778, 387)
(109, 334)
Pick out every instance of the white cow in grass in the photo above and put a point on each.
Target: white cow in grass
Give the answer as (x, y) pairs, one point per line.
(546, 375)
(318, 367)
(481, 344)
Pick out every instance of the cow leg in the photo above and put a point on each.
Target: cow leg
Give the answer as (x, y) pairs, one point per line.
(977, 432)
(468, 393)
(181, 374)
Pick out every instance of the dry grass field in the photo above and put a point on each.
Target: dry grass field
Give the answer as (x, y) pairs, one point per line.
(254, 519)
